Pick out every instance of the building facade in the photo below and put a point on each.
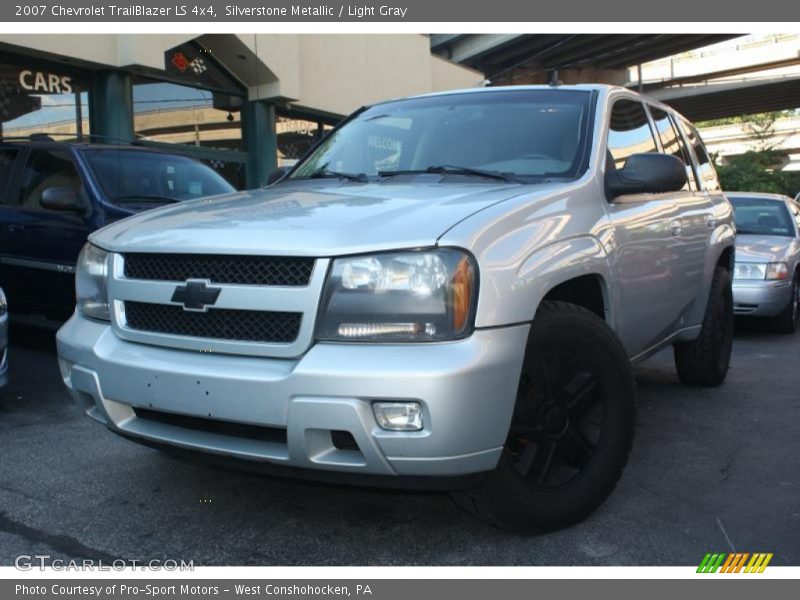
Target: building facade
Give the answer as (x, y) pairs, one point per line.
(243, 103)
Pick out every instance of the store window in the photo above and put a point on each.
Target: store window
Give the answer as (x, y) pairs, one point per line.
(296, 137)
(180, 114)
(42, 100)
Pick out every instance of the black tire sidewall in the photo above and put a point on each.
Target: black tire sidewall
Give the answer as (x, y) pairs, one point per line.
(513, 501)
(785, 322)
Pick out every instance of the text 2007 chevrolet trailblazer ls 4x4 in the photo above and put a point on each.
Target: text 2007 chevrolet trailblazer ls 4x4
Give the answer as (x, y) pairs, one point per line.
(449, 290)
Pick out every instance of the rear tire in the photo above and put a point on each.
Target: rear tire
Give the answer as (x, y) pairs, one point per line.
(786, 321)
(704, 362)
(572, 428)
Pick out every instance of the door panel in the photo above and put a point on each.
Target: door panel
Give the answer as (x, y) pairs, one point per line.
(648, 244)
(696, 213)
(39, 247)
(647, 253)
(700, 213)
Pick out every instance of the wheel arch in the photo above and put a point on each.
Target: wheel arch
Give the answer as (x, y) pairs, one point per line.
(574, 270)
(589, 291)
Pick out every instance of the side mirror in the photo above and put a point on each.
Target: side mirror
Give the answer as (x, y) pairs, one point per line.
(277, 175)
(60, 198)
(647, 173)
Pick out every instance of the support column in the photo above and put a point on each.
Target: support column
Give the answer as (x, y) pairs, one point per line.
(260, 141)
(112, 106)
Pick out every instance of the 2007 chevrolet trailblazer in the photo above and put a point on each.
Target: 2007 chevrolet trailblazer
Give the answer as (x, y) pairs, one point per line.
(448, 289)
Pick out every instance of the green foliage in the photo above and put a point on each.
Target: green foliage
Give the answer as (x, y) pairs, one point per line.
(768, 116)
(758, 172)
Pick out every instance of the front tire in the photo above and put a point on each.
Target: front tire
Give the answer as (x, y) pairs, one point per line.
(572, 428)
(704, 362)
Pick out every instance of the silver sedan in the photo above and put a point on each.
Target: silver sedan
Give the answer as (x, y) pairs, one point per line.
(766, 281)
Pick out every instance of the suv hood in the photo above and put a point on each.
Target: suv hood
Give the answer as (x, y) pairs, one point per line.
(763, 248)
(308, 218)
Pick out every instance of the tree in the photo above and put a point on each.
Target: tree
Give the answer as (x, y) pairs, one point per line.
(758, 172)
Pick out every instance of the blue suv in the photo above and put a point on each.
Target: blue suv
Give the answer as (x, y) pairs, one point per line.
(54, 194)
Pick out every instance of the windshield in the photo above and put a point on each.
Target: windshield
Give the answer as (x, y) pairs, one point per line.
(521, 133)
(131, 176)
(762, 216)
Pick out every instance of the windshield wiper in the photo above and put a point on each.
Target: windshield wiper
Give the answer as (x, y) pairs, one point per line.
(323, 173)
(143, 198)
(456, 170)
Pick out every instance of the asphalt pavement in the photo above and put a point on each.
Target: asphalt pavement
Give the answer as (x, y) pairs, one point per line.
(711, 470)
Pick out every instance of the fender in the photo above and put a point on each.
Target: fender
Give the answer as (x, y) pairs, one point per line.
(511, 296)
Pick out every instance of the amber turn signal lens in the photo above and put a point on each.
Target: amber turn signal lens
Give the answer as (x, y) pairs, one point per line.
(462, 293)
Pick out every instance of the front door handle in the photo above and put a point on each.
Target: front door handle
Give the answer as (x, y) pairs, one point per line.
(675, 227)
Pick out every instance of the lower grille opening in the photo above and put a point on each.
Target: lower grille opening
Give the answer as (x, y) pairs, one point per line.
(343, 440)
(223, 324)
(237, 430)
(744, 308)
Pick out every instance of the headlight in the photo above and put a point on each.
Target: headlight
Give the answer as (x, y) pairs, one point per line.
(777, 270)
(414, 296)
(90, 283)
(761, 271)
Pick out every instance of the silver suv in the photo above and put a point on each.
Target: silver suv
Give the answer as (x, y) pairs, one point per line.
(448, 291)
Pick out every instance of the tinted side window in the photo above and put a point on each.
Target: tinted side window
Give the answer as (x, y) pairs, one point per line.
(705, 169)
(629, 131)
(46, 169)
(672, 143)
(691, 174)
(7, 158)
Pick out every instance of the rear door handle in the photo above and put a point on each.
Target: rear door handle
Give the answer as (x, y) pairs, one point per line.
(675, 227)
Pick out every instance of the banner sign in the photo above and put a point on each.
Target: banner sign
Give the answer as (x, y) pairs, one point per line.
(389, 589)
(399, 11)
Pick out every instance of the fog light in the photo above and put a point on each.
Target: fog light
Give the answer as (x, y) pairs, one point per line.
(398, 416)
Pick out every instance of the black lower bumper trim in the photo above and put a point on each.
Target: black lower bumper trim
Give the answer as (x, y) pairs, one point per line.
(392, 482)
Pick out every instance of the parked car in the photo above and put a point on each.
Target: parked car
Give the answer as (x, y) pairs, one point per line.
(3, 339)
(54, 194)
(766, 280)
(449, 290)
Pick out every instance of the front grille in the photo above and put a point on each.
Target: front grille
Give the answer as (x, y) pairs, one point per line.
(223, 324)
(276, 435)
(244, 270)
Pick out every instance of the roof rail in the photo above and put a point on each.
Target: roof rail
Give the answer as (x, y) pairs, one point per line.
(48, 137)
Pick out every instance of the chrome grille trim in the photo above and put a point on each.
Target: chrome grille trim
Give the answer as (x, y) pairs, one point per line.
(292, 299)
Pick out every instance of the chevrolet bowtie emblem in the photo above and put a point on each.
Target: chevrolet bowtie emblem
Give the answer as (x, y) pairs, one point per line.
(196, 295)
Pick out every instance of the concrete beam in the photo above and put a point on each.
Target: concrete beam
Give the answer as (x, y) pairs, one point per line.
(574, 75)
(471, 47)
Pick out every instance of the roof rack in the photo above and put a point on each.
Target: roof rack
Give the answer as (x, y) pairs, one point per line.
(48, 137)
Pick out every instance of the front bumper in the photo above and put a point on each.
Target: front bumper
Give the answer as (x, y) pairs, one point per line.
(283, 411)
(761, 298)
